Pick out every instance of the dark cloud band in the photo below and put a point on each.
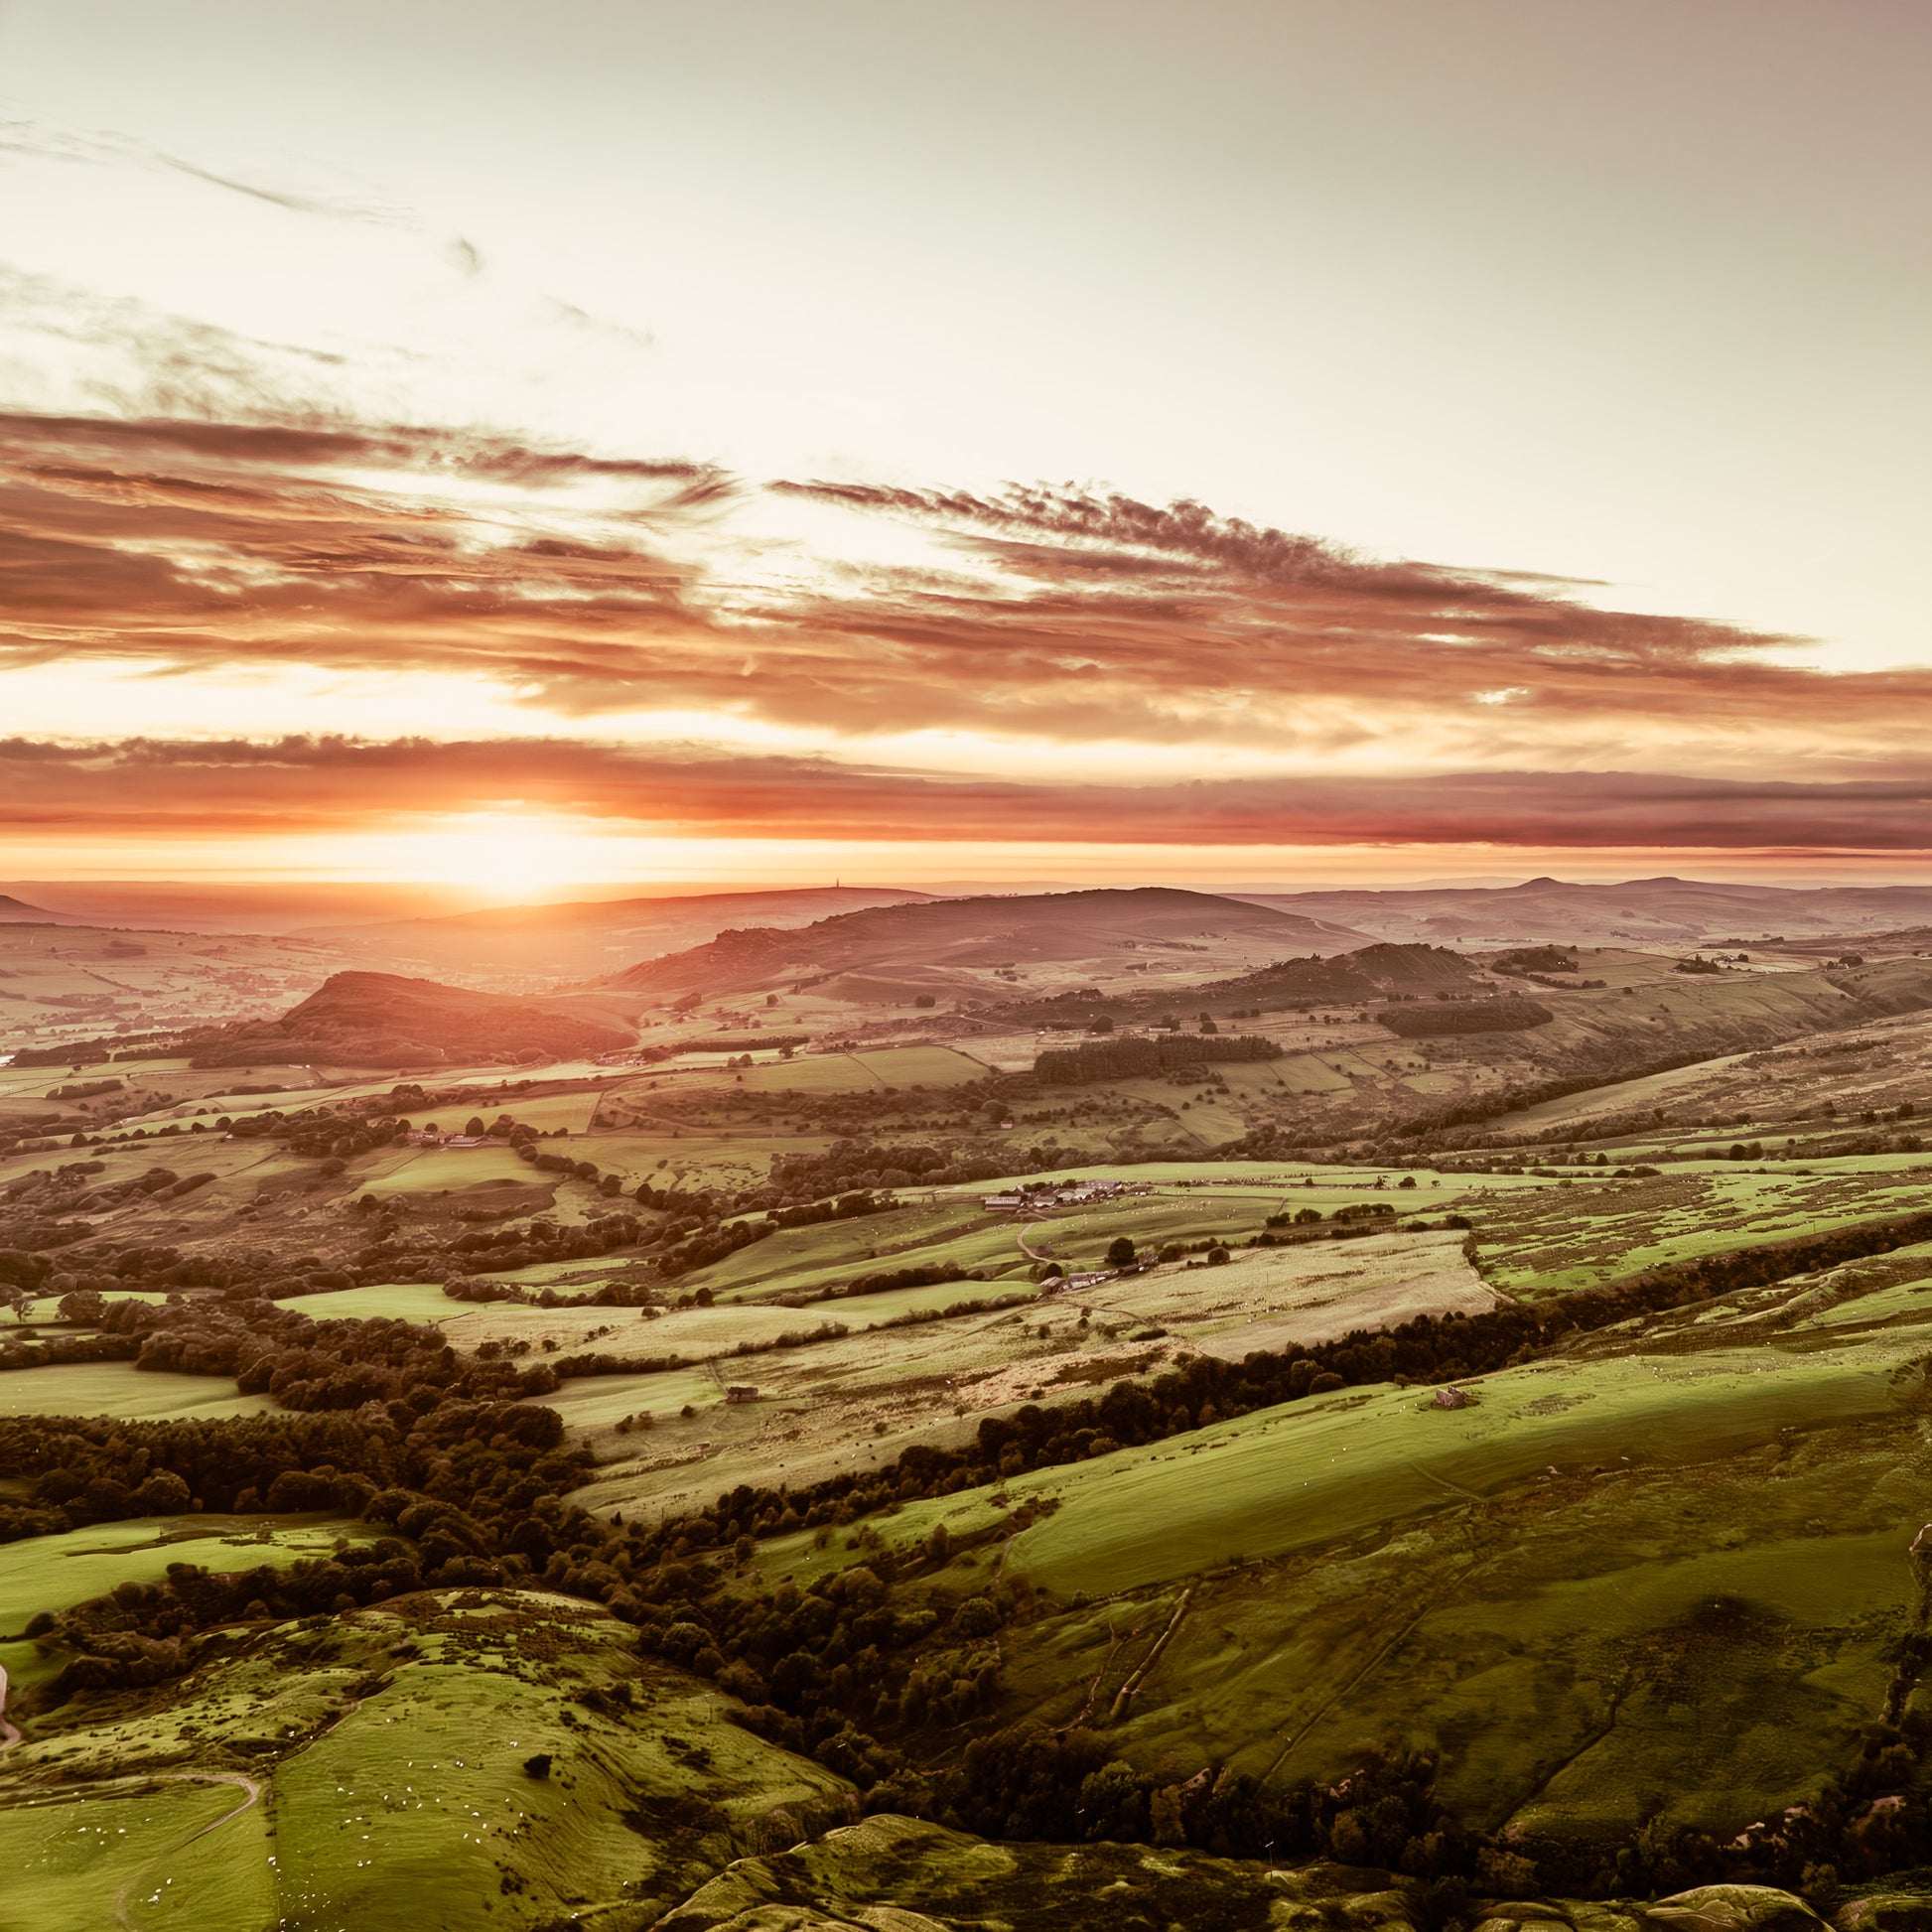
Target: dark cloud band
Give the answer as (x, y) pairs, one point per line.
(177, 790)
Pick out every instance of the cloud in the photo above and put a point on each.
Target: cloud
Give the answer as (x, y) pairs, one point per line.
(176, 789)
(190, 545)
(36, 140)
(589, 583)
(1043, 623)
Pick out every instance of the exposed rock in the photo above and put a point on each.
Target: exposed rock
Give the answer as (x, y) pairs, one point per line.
(898, 1875)
(1886, 1912)
(1734, 1908)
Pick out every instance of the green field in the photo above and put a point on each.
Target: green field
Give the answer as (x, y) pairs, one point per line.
(1577, 1653)
(1582, 1593)
(393, 1300)
(920, 1066)
(1569, 1237)
(53, 1573)
(438, 1170)
(1334, 1466)
(120, 1389)
(699, 1156)
(390, 1755)
(570, 1111)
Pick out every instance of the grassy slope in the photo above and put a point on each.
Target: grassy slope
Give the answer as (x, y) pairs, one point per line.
(1668, 1580)
(53, 1573)
(120, 1389)
(392, 1745)
(1557, 1241)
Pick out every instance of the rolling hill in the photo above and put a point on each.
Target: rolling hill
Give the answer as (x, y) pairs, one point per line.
(383, 1019)
(581, 937)
(968, 946)
(14, 912)
(1665, 910)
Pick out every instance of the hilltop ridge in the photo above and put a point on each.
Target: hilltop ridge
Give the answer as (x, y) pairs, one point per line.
(957, 947)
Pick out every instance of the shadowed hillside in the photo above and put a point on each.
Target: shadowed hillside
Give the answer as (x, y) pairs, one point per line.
(18, 911)
(957, 945)
(590, 936)
(381, 1019)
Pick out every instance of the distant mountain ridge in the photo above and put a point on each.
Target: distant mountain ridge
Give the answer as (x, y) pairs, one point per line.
(581, 938)
(1661, 910)
(15, 912)
(941, 941)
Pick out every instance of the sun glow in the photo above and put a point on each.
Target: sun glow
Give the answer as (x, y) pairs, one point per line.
(503, 856)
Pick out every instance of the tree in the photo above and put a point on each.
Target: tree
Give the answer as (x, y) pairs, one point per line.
(15, 1298)
(1119, 1251)
(473, 1128)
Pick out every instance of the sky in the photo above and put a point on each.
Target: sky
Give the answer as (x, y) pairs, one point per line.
(521, 446)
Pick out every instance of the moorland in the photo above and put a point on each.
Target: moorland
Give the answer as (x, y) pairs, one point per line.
(1144, 1408)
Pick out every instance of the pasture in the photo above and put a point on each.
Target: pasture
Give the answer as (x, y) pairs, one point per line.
(1332, 1466)
(120, 1389)
(920, 1066)
(53, 1573)
(1570, 1237)
(442, 1170)
(856, 1400)
(387, 1756)
(1579, 1652)
(422, 1302)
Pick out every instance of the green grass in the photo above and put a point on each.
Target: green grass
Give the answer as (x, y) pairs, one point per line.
(812, 1073)
(1565, 1238)
(924, 1067)
(1334, 1466)
(391, 1753)
(395, 1301)
(836, 1252)
(120, 1389)
(571, 1111)
(53, 1573)
(1330, 1468)
(441, 1169)
(157, 1850)
(1700, 1642)
(597, 1402)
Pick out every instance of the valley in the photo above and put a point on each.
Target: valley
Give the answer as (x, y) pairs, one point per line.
(817, 1424)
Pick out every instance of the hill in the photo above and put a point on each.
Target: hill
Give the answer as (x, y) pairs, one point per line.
(14, 912)
(582, 938)
(1676, 911)
(383, 1020)
(1370, 973)
(967, 945)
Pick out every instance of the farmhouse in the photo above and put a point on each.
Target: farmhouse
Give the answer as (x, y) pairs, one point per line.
(741, 1392)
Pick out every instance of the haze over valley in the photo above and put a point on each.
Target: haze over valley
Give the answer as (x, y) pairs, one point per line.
(965, 970)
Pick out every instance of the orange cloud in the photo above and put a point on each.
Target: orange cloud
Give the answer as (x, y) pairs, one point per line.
(146, 789)
(588, 584)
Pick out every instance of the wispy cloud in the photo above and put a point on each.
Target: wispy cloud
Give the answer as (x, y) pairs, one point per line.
(590, 583)
(297, 784)
(80, 147)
